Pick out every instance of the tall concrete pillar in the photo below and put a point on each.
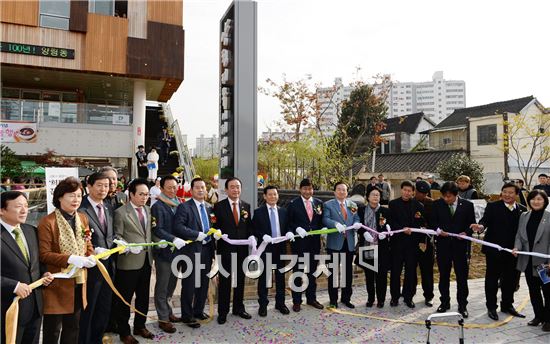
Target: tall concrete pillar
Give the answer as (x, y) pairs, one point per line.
(138, 127)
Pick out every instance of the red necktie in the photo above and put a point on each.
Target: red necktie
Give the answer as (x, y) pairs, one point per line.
(344, 212)
(235, 214)
(309, 210)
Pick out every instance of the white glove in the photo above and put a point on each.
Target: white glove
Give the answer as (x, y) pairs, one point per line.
(340, 227)
(89, 262)
(99, 250)
(217, 234)
(290, 236)
(357, 225)
(78, 261)
(252, 241)
(267, 238)
(381, 236)
(301, 232)
(201, 236)
(368, 237)
(121, 242)
(135, 249)
(179, 243)
(162, 244)
(225, 236)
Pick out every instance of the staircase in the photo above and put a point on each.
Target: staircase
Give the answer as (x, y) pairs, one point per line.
(154, 124)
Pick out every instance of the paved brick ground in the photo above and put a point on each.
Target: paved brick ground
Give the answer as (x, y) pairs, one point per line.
(313, 326)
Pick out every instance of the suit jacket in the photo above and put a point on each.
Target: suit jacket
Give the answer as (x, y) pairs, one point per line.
(501, 225)
(262, 226)
(406, 214)
(59, 295)
(297, 217)
(128, 228)
(188, 225)
(463, 217)
(15, 268)
(226, 223)
(163, 229)
(541, 244)
(332, 215)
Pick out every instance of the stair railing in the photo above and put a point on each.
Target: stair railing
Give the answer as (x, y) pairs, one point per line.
(183, 151)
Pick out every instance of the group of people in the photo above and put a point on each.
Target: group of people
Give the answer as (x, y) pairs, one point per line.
(83, 308)
(148, 162)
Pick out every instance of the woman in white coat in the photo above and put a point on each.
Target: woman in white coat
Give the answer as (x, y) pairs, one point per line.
(152, 164)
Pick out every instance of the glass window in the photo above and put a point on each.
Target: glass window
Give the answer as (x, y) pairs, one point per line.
(70, 97)
(487, 135)
(10, 92)
(105, 7)
(11, 109)
(69, 113)
(55, 14)
(31, 109)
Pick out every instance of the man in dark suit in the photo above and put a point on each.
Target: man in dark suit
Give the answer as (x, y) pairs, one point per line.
(133, 275)
(232, 218)
(192, 222)
(500, 223)
(20, 267)
(452, 214)
(405, 212)
(270, 221)
(162, 214)
(94, 319)
(425, 251)
(141, 161)
(306, 212)
(165, 140)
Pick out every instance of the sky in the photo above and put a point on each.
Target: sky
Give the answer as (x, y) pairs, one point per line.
(499, 48)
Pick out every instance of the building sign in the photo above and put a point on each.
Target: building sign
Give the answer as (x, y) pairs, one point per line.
(53, 176)
(17, 131)
(38, 50)
(121, 119)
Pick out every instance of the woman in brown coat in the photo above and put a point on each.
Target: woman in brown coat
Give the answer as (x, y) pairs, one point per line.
(64, 239)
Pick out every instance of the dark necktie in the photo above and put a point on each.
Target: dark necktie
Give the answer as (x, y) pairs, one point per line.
(101, 217)
(141, 218)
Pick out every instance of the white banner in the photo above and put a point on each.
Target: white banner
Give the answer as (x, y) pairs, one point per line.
(53, 176)
(17, 131)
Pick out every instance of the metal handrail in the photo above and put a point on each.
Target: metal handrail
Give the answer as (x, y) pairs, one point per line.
(183, 151)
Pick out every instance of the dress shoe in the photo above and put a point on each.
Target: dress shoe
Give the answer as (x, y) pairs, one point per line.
(174, 319)
(296, 307)
(546, 326)
(443, 308)
(380, 305)
(315, 304)
(222, 319)
(463, 311)
(410, 303)
(129, 340)
(394, 303)
(348, 304)
(369, 304)
(144, 333)
(190, 322)
(333, 305)
(243, 314)
(202, 316)
(535, 322)
(428, 302)
(167, 327)
(492, 313)
(283, 309)
(512, 311)
(262, 311)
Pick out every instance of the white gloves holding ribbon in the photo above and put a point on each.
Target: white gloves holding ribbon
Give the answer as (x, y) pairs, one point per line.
(217, 234)
(179, 242)
(368, 237)
(290, 236)
(252, 241)
(267, 238)
(135, 249)
(82, 262)
(162, 244)
(357, 226)
(201, 236)
(99, 250)
(340, 227)
(301, 232)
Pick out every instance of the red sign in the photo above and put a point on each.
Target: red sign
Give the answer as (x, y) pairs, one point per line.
(139, 131)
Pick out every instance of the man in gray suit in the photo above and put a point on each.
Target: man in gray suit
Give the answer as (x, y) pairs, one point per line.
(94, 319)
(133, 275)
(340, 213)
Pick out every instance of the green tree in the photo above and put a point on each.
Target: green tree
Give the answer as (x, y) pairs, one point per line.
(461, 164)
(11, 165)
(206, 168)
